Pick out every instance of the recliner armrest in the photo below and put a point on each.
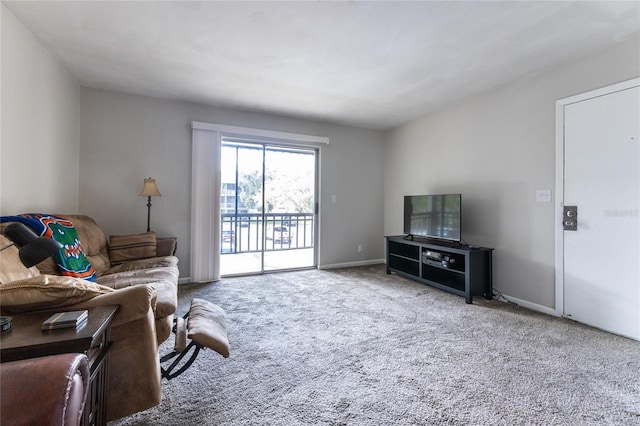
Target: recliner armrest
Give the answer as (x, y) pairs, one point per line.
(135, 302)
(50, 390)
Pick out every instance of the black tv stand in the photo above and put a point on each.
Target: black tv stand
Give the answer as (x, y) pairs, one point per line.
(453, 267)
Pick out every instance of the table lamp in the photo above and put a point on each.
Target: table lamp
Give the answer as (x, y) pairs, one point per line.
(32, 249)
(150, 189)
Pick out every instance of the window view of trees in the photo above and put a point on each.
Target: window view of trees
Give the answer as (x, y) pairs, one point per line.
(289, 183)
(250, 190)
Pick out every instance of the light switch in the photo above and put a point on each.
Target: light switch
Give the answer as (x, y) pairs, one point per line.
(543, 195)
(333, 198)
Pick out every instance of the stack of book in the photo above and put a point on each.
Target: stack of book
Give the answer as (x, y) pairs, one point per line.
(71, 319)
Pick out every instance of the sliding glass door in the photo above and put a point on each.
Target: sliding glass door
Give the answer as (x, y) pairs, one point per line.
(268, 200)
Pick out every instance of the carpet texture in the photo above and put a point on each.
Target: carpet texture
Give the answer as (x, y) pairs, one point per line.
(356, 346)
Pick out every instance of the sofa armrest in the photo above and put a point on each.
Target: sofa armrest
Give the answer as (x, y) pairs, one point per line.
(49, 390)
(135, 302)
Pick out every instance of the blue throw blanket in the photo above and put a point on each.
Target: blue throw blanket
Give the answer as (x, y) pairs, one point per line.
(70, 259)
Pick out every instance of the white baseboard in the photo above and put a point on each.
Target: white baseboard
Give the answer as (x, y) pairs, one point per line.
(187, 280)
(352, 264)
(532, 306)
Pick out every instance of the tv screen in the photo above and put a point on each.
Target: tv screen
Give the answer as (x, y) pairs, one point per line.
(433, 216)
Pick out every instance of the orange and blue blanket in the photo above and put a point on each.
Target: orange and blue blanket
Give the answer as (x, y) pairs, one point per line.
(70, 259)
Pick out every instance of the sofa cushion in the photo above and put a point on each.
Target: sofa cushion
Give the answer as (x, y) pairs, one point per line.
(123, 248)
(152, 262)
(47, 292)
(11, 268)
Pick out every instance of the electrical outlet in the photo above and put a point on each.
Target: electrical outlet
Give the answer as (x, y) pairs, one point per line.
(543, 195)
(359, 248)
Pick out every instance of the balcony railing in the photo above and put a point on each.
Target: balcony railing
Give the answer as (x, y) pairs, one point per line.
(243, 233)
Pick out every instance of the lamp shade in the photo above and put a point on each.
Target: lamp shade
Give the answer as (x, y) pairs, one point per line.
(19, 234)
(150, 189)
(32, 249)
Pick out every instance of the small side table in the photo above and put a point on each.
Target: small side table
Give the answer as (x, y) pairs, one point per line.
(26, 340)
(167, 246)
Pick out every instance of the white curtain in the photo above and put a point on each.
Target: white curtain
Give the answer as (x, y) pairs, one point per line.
(205, 204)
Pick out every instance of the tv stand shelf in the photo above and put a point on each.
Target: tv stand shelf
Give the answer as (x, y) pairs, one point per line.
(456, 268)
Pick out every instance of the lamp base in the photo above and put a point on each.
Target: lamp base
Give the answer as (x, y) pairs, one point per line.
(149, 214)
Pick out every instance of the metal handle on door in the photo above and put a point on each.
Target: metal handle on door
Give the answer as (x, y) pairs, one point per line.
(570, 218)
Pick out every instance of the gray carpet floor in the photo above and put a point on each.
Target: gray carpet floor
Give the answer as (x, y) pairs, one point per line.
(356, 346)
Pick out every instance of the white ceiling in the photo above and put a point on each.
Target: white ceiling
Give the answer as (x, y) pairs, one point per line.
(369, 64)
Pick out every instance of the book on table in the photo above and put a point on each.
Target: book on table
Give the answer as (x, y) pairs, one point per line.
(70, 319)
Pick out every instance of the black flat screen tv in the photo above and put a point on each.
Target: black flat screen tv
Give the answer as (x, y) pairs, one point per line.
(433, 216)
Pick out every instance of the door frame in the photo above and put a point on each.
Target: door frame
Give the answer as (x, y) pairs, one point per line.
(264, 146)
(560, 162)
(205, 170)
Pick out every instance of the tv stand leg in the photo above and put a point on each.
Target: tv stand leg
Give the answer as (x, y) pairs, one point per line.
(489, 293)
(468, 299)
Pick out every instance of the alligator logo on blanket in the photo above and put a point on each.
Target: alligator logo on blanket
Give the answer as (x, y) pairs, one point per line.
(70, 259)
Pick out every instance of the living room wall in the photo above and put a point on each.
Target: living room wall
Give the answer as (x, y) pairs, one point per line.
(125, 138)
(44, 166)
(497, 149)
(40, 116)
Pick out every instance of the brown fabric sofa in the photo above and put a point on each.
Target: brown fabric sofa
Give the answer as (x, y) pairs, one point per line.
(145, 289)
(160, 270)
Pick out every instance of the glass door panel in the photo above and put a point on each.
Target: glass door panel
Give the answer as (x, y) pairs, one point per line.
(290, 196)
(267, 208)
(241, 209)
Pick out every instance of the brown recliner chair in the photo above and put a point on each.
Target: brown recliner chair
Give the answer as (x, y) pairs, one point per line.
(50, 390)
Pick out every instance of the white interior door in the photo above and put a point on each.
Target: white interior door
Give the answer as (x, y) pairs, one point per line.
(601, 257)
